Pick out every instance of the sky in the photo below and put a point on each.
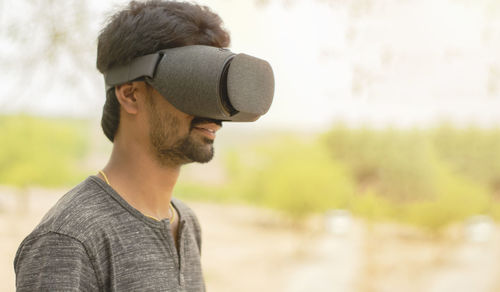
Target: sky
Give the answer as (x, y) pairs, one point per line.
(394, 63)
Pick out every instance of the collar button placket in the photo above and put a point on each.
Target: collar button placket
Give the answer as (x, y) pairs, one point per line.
(182, 227)
(169, 239)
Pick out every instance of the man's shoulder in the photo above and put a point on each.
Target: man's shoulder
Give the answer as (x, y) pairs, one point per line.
(84, 209)
(189, 216)
(187, 213)
(183, 208)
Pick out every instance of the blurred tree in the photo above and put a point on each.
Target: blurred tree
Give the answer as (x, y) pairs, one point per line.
(396, 164)
(298, 178)
(37, 151)
(472, 153)
(47, 41)
(457, 198)
(41, 152)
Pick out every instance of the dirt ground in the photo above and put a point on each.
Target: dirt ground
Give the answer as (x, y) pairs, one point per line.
(251, 249)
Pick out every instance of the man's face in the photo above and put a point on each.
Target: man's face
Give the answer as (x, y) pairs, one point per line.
(178, 138)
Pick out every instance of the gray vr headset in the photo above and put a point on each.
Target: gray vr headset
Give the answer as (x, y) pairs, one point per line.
(204, 81)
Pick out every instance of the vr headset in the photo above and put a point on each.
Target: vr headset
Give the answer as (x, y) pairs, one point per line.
(204, 81)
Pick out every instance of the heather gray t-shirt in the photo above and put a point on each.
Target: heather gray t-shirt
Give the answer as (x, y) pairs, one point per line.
(93, 240)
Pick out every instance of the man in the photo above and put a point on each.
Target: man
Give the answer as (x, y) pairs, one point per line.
(122, 229)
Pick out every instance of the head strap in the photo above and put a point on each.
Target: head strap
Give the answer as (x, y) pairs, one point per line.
(143, 66)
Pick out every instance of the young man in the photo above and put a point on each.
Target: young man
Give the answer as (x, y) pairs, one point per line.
(121, 230)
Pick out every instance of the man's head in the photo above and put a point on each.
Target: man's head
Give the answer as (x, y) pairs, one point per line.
(143, 28)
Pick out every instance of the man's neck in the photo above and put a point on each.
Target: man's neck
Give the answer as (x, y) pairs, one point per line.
(141, 180)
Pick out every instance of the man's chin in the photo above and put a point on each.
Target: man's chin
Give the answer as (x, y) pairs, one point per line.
(190, 149)
(198, 150)
(202, 155)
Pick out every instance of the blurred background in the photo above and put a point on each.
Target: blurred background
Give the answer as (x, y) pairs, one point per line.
(376, 169)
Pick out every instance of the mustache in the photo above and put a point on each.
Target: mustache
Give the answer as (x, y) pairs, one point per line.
(198, 120)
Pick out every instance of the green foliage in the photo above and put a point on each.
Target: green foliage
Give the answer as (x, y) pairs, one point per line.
(472, 153)
(457, 198)
(298, 178)
(399, 165)
(41, 151)
(373, 207)
(429, 178)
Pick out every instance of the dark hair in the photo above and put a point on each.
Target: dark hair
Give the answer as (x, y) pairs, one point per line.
(146, 27)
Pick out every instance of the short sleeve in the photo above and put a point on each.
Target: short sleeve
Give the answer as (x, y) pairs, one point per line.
(54, 262)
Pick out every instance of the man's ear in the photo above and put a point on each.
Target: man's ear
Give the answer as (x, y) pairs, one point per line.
(127, 97)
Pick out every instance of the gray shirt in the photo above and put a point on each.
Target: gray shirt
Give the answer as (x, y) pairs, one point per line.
(93, 240)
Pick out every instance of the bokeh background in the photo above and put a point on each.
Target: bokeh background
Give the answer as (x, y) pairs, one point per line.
(376, 169)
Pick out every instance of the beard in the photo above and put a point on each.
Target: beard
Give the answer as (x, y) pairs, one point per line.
(171, 148)
(194, 151)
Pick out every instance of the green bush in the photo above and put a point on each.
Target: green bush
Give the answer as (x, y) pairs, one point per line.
(457, 199)
(396, 164)
(41, 151)
(473, 153)
(371, 206)
(298, 178)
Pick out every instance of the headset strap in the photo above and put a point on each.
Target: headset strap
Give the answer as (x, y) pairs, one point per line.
(143, 66)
